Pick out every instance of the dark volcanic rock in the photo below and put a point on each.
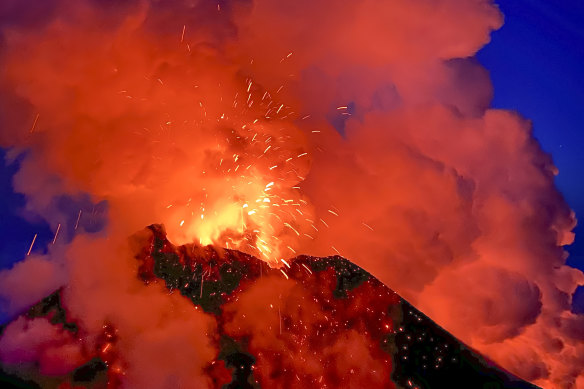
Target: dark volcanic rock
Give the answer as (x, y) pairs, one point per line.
(320, 322)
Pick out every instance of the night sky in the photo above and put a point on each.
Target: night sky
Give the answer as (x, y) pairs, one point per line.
(535, 62)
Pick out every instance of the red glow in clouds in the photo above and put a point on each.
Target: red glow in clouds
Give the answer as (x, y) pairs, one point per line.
(218, 120)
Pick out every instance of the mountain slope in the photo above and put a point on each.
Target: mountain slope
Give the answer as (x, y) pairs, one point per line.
(319, 322)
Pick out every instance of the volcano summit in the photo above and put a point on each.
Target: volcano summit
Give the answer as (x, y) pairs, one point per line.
(317, 323)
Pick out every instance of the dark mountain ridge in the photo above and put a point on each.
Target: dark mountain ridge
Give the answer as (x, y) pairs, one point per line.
(336, 326)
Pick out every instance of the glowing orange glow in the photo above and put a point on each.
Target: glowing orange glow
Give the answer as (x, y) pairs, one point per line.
(285, 128)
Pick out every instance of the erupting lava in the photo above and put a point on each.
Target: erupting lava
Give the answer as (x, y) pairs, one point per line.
(250, 199)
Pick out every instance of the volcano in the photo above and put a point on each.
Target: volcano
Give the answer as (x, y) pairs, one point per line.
(314, 323)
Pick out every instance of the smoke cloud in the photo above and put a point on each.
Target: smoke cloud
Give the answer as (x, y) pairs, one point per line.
(283, 128)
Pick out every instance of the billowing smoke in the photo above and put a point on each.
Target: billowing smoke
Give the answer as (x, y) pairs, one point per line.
(276, 128)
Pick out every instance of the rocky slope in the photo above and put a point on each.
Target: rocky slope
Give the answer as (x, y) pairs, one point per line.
(319, 322)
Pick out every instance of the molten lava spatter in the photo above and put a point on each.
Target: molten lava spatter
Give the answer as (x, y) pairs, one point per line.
(315, 323)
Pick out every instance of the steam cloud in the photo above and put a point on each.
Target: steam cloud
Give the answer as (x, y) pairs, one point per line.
(364, 124)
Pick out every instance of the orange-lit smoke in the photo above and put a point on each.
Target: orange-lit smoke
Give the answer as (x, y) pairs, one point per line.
(162, 125)
(216, 119)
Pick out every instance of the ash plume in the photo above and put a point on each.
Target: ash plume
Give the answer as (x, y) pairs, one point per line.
(281, 128)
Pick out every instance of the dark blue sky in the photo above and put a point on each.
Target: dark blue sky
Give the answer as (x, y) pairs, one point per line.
(16, 230)
(536, 63)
